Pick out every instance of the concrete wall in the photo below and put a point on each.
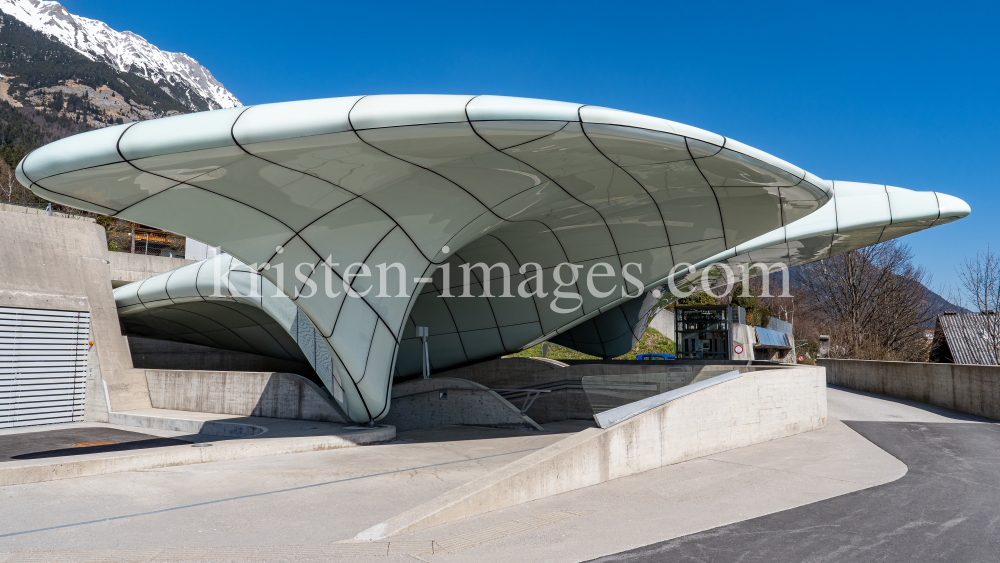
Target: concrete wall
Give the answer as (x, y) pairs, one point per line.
(967, 388)
(128, 268)
(150, 353)
(63, 264)
(567, 399)
(754, 408)
(273, 395)
(425, 403)
(15, 208)
(663, 322)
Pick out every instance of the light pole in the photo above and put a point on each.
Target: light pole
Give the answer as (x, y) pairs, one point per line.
(422, 334)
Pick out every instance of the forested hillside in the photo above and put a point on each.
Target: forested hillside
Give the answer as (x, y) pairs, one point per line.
(30, 61)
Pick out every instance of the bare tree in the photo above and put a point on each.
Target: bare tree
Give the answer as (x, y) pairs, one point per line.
(979, 290)
(872, 301)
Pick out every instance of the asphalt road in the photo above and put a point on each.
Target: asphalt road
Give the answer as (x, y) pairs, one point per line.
(946, 508)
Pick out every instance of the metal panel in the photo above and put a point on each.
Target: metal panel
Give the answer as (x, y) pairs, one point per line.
(779, 325)
(43, 366)
(772, 338)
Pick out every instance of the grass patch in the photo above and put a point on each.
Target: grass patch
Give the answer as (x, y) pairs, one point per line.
(652, 342)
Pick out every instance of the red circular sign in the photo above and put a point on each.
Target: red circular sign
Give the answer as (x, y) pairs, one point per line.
(738, 349)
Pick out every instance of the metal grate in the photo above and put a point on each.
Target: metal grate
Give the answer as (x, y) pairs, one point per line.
(43, 366)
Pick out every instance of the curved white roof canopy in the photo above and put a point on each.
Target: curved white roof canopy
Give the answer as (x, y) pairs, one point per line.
(381, 179)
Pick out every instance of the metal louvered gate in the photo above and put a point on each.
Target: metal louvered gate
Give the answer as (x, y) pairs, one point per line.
(43, 366)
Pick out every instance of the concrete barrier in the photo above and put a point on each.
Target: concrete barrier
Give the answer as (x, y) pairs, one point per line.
(63, 264)
(190, 426)
(757, 407)
(262, 445)
(270, 395)
(967, 388)
(128, 268)
(440, 401)
(567, 399)
(149, 353)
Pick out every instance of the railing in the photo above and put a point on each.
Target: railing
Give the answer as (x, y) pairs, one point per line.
(127, 237)
(617, 415)
(46, 209)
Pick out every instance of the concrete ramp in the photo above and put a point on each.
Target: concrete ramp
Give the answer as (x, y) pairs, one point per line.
(754, 408)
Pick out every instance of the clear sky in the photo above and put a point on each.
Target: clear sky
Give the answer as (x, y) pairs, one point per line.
(900, 93)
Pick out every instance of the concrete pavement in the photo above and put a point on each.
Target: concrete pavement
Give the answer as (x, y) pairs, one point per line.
(304, 506)
(943, 509)
(810, 497)
(309, 498)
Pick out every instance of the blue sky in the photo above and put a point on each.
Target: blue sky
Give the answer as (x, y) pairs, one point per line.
(901, 93)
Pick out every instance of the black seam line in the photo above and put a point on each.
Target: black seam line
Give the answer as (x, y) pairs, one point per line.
(90, 203)
(538, 315)
(482, 284)
(453, 322)
(138, 289)
(354, 384)
(454, 318)
(652, 200)
(601, 215)
(255, 495)
(486, 208)
(539, 221)
(351, 286)
(166, 281)
(378, 317)
(714, 194)
(585, 204)
(297, 291)
(194, 330)
(371, 344)
(255, 323)
(473, 124)
(187, 328)
(388, 380)
(391, 218)
(197, 274)
(638, 183)
(558, 242)
(310, 223)
(291, 354)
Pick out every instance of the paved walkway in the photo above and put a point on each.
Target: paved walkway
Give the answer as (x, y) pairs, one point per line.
(302, 499)
(946, 508)
(828, 495)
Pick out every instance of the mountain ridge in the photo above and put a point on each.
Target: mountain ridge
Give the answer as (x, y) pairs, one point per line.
(179, 75)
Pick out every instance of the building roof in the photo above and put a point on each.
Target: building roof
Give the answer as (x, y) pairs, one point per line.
(963, 338)
(426, 180)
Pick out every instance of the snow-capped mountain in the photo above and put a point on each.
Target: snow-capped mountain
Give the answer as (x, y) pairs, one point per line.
(180, 76)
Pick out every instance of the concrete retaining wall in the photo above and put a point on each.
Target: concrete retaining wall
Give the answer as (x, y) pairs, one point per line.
(63, 264)
(271, 395)
(439, 402)
(967, 388)
(664, 323)
(566, 399)
(127, 267)
(15, 208)
(149, 353)
(754, 408)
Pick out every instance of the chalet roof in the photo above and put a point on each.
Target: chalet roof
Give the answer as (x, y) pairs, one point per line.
(962, 338)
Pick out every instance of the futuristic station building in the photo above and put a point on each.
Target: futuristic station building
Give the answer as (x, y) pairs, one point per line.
(306, 197)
